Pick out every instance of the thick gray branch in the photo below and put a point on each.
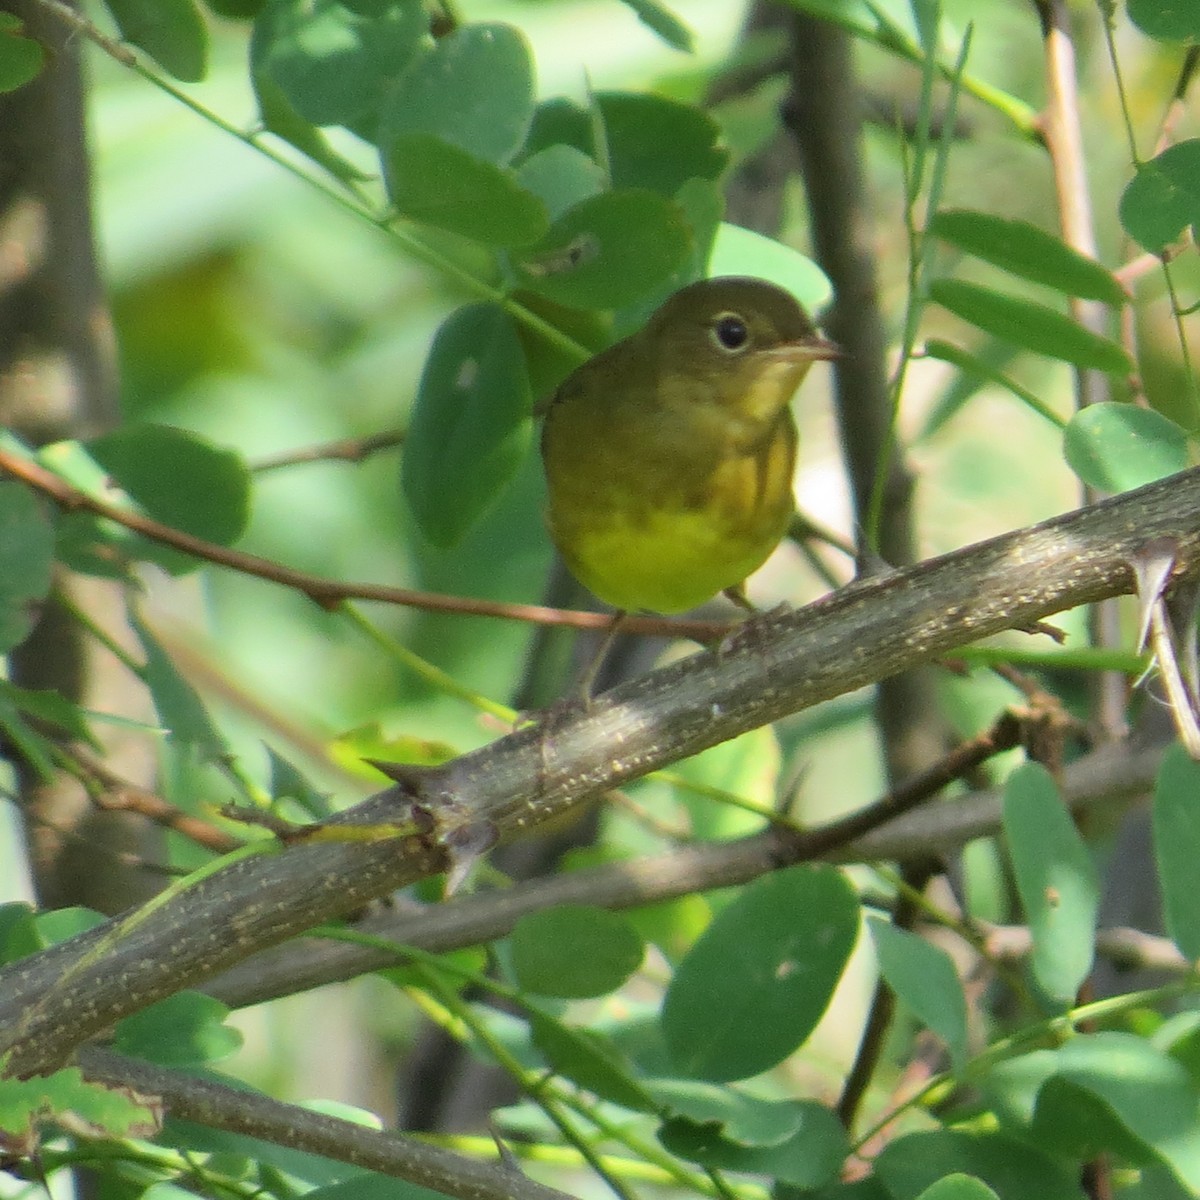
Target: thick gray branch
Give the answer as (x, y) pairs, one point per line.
(51, 1002)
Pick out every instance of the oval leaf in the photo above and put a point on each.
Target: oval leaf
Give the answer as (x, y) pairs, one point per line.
(1025, 250)
(958, 1187)
(738, 251)
(574, 951)
(1011, 1168)
(1028, 324)
(172, 32)
(1177, 846)
(656, 143)
(590, 1061)
(924, 978)
(1166, 20)
(332, 64)
(471, 426)
(440, 184)
(179, 478)
(664, 22)
(1115, 447)
(753, 988)
(473, 89)
(809, 1158)
(26, 559)
(1163, 198)
(608, 251)
(1056, 880)
(187, 1029)
(1144, 1104)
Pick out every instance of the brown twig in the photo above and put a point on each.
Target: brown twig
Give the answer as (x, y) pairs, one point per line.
(349, 449)
(329, 593)
(108, 791)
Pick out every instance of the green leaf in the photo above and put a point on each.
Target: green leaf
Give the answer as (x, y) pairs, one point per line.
(186, 1029)
(1116, 1092)
(440, 184)
(1028, 324)
(18, 934)
(60, 924)
(753, 988)
(561, 176)
(332, 64)
(473, 89)
(739, 251)
(590, 1061)
(180, 479)
(958, 1187)
(924, 978)
(289, 783)
(808, 1158)
(1012, 1169)
(656, 143)
(1115, 447)
(607, 251)
(471, 427)
(1025, 250)
(664, 22)
(574, 951)
(1166, 20)
(64, 1098)
(179, 709)
(50, 708)
(285, 122)
(741, 1118)
(1177, 846)
(26, 560)
(172, 32)
(1056, 880)
(1163, 198)
(21, 58)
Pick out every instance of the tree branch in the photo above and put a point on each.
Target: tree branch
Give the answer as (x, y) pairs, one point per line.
(221, 1106)
(773, 666)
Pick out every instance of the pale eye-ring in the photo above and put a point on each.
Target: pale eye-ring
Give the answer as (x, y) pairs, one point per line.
(730, 332)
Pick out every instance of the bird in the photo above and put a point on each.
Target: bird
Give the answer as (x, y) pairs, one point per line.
(669, 456)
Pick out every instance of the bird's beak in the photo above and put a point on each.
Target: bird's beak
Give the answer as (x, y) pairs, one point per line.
(816, 349)
(807, 350)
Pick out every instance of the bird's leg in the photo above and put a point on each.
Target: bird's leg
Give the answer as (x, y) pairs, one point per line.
(755, 621)
(737, 594)
(583, 689)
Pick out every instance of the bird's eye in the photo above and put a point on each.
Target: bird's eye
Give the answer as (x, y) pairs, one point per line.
(730, 333)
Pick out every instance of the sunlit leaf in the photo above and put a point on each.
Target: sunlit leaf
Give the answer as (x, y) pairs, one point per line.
(755, 985)
(1056, 880)
(1029, 324)
(1025, 250)
(1115, 447)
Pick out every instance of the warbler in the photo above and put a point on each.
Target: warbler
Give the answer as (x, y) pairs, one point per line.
(669, 456)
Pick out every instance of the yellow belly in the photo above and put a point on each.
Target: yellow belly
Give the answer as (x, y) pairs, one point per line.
(642, 538)
(668, 564)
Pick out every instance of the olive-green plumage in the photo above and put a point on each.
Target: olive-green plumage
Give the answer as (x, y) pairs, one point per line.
(669, 456)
